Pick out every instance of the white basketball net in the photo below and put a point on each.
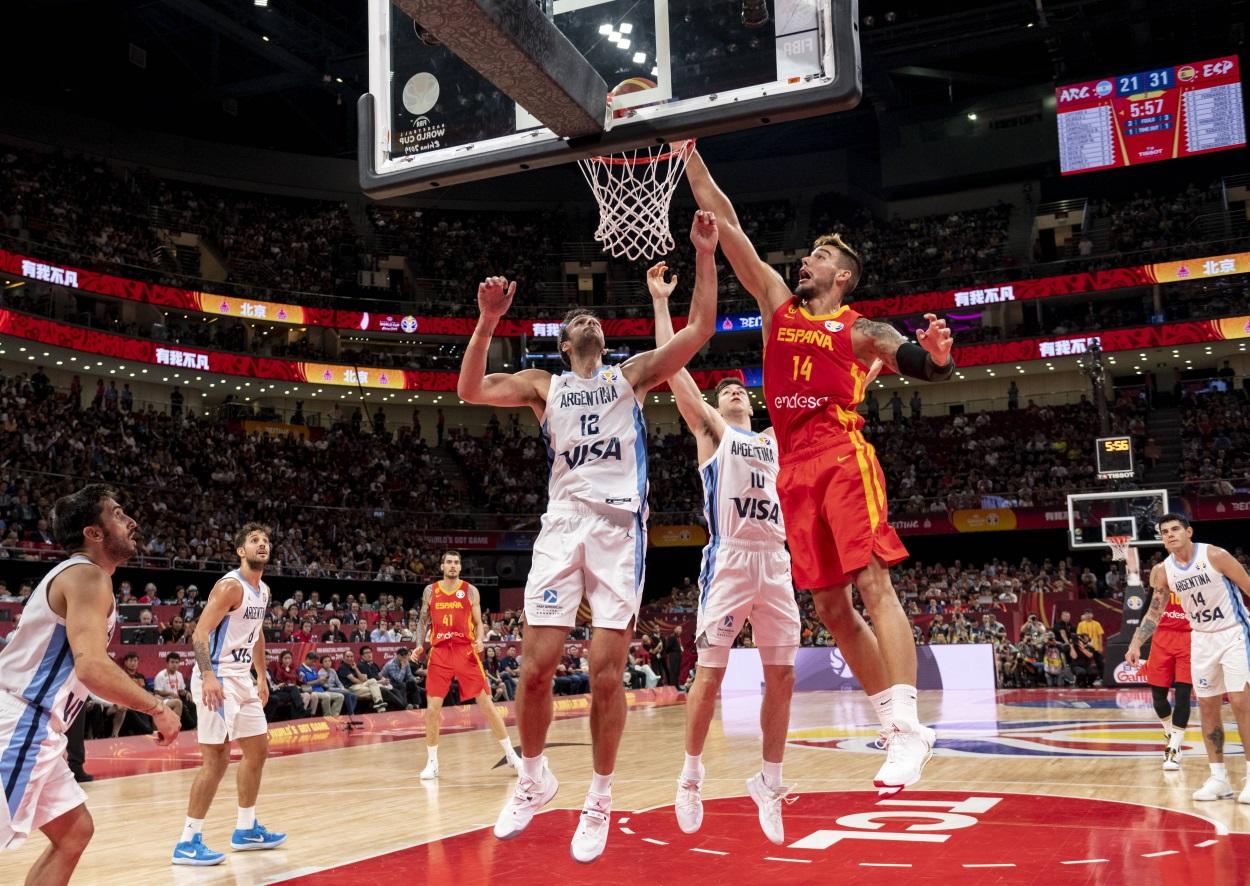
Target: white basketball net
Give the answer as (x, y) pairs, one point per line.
(1122, 550)
(634, 191)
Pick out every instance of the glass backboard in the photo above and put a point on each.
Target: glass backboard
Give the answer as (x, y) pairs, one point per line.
(677, 69)
(1095, 516)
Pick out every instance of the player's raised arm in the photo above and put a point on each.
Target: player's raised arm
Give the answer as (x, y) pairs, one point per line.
(1158, 600)
(646, 370)
(525, 388)
(694, 409)
(756, 275)
(88, 596)
(928, 361)
(226, 595)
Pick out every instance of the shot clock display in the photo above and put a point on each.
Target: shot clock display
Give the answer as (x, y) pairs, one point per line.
(1147, 116)
(1115, 458)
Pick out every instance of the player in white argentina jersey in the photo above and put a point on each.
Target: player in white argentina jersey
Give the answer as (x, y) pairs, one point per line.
(229, 646)
(593, 537)
(1209, 582)
(57, 656)
(745, 573)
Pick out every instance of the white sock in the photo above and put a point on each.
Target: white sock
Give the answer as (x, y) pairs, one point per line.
(772, 774)
(247, 819)
(1167, 724)
(192, 827)
(506, 744)
(882, 704)
(532, 767)
(431, 752)
(601, 784)
(903, 706)
(693, 770)
(1219, 771)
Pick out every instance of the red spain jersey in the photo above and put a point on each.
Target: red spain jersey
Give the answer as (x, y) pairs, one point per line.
(451, 614)
(813, 381)
(1174, 617)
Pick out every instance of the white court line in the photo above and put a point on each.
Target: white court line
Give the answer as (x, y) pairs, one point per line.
(1160, 854)
(653, 840)
(1087, 861)
(623, 819)
(1205, 843)
(708, 851)
(627, 831)
(791, 860)
(1003, 865)
(881, 864)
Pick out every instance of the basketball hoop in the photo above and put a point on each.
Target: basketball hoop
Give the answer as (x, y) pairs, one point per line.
(1122, 550)
(634, 191)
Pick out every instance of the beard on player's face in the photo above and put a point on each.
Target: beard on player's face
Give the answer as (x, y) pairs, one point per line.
(119, 542)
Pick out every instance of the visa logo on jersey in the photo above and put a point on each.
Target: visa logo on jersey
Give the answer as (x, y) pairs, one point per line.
(584, 453)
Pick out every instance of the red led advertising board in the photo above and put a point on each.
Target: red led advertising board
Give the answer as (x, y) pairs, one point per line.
(1161, 114)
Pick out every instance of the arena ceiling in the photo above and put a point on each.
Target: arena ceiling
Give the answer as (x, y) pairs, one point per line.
(286, 73)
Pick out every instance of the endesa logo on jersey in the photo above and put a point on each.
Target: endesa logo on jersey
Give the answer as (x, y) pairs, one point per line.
(799, 401)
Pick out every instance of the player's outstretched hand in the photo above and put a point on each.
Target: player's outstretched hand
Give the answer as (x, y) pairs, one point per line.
(936, 339)
(704, 233)
(494, 296)
(659, 287)
(167, 726)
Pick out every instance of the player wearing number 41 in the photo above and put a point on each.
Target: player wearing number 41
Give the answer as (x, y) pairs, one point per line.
(229, 646)
(818, 354)
(745, 575)
(59, 654)
(451, 613)
(593, 539)
(1209, 582)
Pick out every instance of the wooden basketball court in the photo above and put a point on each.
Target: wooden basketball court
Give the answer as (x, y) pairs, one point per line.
(1026, 787)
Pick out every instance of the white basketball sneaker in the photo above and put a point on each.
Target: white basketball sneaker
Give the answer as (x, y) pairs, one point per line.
(430, 772)
(591, 836)
(689, 805)
(1244, 796)
(769, 801)
(530, 796)
(1172, 753)
(906, 753)
(1216, 788)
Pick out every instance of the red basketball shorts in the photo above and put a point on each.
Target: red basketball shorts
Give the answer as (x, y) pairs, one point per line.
(833, 501)
(1169, 659)
(457, 660)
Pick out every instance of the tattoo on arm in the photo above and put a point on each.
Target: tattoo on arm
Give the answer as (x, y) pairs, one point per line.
(879, 340)
(202, 658)
(1158, 600)
(423, 622)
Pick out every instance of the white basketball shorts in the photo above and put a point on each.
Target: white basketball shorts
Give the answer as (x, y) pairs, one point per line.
(1218, 661)
(240, 715)
(599, 553)
(35, 780)
(740, 581)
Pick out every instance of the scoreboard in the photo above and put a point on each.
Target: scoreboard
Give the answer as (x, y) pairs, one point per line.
(1114, 458)
(1147, 116)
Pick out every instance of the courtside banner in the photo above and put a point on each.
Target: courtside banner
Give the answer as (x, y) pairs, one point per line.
(549, 327)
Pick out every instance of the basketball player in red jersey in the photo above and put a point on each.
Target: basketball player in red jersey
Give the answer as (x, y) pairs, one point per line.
(817, 358)
(451, 611)
(1167, 666)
